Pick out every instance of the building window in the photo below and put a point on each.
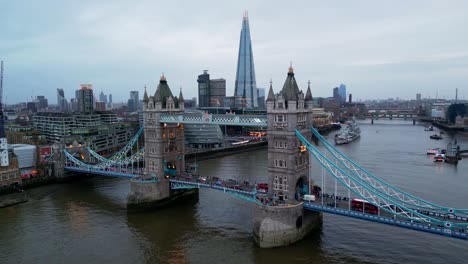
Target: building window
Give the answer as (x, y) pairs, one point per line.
(280, 164)
(280, 118)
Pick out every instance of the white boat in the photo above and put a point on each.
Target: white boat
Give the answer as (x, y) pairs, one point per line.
(431, 128)
(433, 151)
(439, 157)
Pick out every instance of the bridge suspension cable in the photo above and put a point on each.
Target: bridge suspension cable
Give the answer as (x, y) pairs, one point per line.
(369, 194)
(373, 181)
(121, 154)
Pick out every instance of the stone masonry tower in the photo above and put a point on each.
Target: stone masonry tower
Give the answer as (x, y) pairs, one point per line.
(285, 222)
(164, 148)
(288, 160)
(164, 143)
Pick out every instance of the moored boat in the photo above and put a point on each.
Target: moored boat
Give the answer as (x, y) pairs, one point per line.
(439, 157)
(350, 133)
(435, 136)
(433, 151)
(431, 128)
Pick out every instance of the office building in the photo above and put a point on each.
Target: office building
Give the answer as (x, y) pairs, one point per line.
(103, 97)
(61, 101)
(102, 138)
(217, 92)
(342, 93)
(41, 102)
(133, 102)
(55, 126)
(261, 97)
(336, 95)
(245, 89)
(211, 92)
(85, 98)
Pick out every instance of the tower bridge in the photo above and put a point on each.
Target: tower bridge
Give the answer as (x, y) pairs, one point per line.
(158, 171)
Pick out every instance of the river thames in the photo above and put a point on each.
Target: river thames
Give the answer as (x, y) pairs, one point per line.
(86, 221)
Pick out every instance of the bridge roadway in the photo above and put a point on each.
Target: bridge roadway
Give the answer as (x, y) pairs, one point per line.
(339, 206)
(342, 206)
(330, 204)
(244, 190)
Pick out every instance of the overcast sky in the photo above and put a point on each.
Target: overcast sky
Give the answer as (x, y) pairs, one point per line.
(379, 49)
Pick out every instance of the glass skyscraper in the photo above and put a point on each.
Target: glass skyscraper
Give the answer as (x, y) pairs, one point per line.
(245, 90)
(342, 92)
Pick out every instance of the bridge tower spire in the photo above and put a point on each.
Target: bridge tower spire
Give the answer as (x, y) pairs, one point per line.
(288, 169)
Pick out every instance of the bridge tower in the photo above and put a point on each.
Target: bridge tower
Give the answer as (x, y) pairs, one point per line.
(164, 147)
(288, 168)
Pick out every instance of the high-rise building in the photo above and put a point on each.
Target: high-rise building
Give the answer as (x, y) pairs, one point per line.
(85, 98)
(61, 101)
(103, 97)
(245, 89)
(134, 101)
(110, 100)
(342, 92)
(74, 105)
(211, 92)
(203, 89)
(41, 102)
(336, 94)
(261, 97)
(418, 97)
(217, 92)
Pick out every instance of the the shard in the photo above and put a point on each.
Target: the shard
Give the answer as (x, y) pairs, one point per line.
(245, 90)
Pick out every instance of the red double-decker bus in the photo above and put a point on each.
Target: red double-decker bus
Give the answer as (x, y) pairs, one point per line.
(364, 206)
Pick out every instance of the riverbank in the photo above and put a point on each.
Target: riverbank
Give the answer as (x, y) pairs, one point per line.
(18, 194)
(13, 198)
(221, 152)
(445, 126)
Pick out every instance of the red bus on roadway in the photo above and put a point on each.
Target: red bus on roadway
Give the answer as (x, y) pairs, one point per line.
(364, 206)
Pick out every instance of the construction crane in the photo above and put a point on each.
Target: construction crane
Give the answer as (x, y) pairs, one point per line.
(2, 122)
(3, 141)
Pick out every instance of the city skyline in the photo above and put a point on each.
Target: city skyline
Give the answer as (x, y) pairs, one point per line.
(378, 50)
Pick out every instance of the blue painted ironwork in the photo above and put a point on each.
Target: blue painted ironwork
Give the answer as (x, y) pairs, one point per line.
(386, 220)
(100, 172)
(373, 181)
(48, 158)
(121, 154)
(246, 195)
(373, 195)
